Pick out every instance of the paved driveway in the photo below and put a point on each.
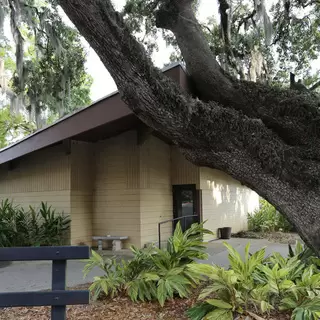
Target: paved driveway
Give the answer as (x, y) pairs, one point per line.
(32, 276)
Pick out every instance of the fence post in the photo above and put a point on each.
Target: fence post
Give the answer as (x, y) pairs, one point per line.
(58, 298)
(59, 268)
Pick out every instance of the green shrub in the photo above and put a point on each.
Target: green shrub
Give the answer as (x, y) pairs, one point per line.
(233, 290)
(268, 219)
(34, 227)
(52, 225)
(7, 225)
(255, 286)
(153, 273)
(296, 287)
(305, 254)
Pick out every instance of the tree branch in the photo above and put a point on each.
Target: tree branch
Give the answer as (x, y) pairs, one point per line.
(211, 134)
(212, 83)
(315, 86)
(157, 100)
(245, 19)
(183, 23)
(226, 20)
(306, 4)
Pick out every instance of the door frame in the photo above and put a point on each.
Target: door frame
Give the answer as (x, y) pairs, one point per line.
(196, 199)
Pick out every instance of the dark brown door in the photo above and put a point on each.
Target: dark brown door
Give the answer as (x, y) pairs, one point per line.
(185, 205)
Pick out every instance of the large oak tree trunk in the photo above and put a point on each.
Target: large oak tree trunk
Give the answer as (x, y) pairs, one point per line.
(265, 138)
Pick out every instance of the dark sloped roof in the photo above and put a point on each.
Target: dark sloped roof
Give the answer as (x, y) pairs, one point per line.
(104, 118)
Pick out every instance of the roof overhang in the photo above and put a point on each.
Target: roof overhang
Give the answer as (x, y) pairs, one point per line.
(107, 117)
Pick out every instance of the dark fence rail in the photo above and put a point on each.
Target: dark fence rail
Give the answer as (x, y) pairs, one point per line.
(58, 298)
(183, 224)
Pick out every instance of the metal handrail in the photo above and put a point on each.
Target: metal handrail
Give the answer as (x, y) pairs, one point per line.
(172, 220)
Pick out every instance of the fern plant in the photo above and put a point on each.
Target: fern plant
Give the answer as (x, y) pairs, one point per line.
(153, 273)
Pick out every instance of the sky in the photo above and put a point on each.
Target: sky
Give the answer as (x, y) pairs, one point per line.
(103, 84)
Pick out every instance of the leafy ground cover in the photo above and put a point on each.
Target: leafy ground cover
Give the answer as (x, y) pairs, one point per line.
(41, 226)
(119, 308)
(171, 284)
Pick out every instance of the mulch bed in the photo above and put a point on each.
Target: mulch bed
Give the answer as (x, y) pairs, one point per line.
(279, 237)
(119, 308)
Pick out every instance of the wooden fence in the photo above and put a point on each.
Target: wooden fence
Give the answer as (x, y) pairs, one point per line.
(59, 297)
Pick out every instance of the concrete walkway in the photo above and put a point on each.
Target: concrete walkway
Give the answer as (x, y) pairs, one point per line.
(36, 275)
(219, 255)
(33, 276)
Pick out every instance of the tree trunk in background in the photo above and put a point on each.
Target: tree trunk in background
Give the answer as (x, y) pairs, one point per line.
(266, 138)
(38, 119)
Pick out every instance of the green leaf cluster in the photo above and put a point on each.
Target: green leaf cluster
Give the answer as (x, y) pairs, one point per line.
(255, 285)
(304, 254)
(268, 219)
(153, 273)
(41, 226)
(12, 126)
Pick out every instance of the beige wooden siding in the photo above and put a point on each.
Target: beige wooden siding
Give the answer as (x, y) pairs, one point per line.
(59, 200)
(225, 202)
(121, 188)
(183, 171)
(155, 191)
(41, 176)
(45, 170)
(82, 177)
(116, 196)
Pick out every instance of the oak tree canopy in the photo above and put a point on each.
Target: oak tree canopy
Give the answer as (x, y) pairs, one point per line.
(263, 135)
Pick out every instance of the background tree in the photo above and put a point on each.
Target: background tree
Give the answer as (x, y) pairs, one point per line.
(50, 77)
(55, 82)
(12, 127)
(250, 41)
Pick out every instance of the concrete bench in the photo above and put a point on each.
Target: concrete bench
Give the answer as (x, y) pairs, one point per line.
(116, 241)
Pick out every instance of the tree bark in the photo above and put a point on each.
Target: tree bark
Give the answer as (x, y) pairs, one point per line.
(212, 84)
(265, 138)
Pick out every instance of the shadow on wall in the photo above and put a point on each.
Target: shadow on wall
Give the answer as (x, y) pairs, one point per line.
(229, 203)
